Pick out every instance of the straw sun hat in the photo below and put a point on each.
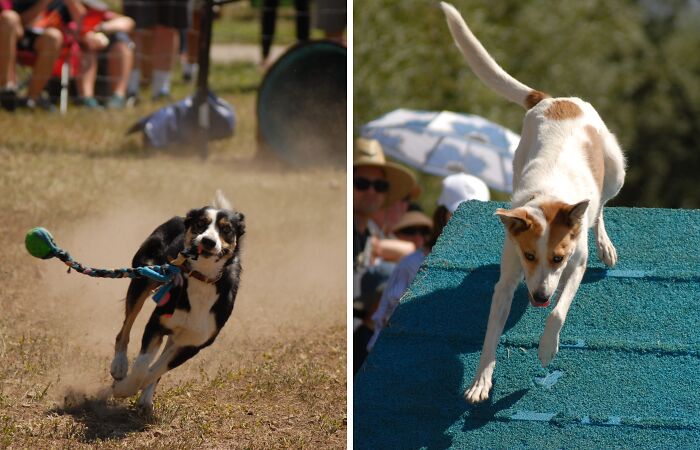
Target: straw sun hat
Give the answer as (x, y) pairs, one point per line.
(413, 219)
(402, 183)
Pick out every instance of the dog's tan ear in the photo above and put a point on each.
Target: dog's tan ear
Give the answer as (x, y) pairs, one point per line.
(577, 211)
(515, 220)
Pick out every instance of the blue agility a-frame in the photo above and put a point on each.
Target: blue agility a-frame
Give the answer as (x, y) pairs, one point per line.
(626, 375)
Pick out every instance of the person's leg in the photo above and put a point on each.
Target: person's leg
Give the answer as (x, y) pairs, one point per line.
(164, 45)
(269, 19)
(303, 20)
(191, 64)
(144, 14)
(172, 16)
(10, 32)
(48, 48)
(193, 37)
(88, 74)
(120, 58)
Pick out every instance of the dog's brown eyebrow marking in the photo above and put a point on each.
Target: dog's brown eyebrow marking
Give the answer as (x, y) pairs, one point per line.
(562, 233)
(534, 97)
(594, 153)
(562, 110)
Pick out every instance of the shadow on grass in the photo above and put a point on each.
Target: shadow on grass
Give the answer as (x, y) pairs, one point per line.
(103, 419)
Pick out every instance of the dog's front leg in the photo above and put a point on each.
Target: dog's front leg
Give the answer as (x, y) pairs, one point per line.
(511, 274)
(571, 279)
(150, 344)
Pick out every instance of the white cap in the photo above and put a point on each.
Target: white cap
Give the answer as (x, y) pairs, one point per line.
(461, 187)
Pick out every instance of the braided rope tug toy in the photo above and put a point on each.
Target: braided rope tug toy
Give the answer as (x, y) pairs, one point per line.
(40, 244)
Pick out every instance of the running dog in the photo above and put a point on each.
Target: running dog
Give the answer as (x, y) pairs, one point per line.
(207, 242)
(566, 167)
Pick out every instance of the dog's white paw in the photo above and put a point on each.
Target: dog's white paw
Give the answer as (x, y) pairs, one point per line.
(606, 251)
(479, 390)
(549, 347)
(124, 388)
(120, 366)
(146, 399)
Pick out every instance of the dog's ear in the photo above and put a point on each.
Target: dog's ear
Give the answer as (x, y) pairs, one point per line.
(515, 220)
(577, 211)
(189, 218)
(240, 224)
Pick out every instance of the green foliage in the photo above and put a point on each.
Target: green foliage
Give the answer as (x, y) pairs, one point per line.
(636, 62)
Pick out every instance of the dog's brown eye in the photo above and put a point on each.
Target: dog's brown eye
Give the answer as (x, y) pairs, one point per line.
(557, 259)
(202, 223)
(529, 256)
(226, 229)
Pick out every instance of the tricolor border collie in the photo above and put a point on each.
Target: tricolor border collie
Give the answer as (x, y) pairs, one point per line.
(566, 167)
(198, 304)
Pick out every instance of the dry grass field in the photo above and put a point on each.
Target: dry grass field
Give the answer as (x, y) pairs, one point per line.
(276, 376)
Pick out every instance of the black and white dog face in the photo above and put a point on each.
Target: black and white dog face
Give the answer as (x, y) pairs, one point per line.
(212, 231)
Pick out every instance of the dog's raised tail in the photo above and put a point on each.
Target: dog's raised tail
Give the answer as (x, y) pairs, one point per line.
(484, 65)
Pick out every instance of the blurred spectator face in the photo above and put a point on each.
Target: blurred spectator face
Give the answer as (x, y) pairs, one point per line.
(417, 234)
(369, 190)
(394, 212)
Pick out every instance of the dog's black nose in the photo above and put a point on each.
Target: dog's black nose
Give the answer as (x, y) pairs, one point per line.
(208, 243)
(540, 298)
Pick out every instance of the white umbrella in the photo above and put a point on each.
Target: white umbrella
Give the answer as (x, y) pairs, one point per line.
(443, 143)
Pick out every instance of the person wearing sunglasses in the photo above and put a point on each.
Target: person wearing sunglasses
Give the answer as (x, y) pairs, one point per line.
(414, 227)
(377, 184)
(456, 189)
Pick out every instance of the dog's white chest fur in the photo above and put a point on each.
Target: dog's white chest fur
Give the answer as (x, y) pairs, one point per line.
(196, 326)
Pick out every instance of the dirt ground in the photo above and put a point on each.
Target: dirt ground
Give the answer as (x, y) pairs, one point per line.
(275, 377)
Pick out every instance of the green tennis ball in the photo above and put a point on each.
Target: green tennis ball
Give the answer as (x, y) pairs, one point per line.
(37, 243)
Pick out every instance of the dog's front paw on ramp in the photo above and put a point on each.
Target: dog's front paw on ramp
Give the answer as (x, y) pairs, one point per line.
(548, 348)
(479, 390)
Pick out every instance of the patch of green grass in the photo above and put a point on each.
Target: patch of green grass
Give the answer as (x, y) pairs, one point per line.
(241, 23)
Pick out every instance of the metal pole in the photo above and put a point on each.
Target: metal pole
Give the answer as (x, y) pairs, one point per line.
(200, 99)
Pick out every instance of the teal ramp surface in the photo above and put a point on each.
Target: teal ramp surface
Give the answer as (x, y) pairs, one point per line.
(627, 371)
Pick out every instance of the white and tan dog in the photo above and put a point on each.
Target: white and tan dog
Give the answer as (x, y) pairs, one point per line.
(566, 167)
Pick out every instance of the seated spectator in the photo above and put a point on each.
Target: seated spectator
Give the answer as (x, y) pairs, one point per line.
(104, 32)
(455, 190)
(385, 244)
(19, 32)
(414, 227)
(376, 184)
(156, 36)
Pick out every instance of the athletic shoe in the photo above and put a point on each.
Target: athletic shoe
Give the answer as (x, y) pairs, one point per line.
(8, 99)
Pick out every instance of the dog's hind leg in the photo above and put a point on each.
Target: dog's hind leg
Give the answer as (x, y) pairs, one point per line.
(136, 295)
(571, 279)
(511, 274)
(606, 250)
(614, 162)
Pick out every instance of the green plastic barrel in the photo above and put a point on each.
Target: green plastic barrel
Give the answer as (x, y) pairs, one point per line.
(301, 108)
